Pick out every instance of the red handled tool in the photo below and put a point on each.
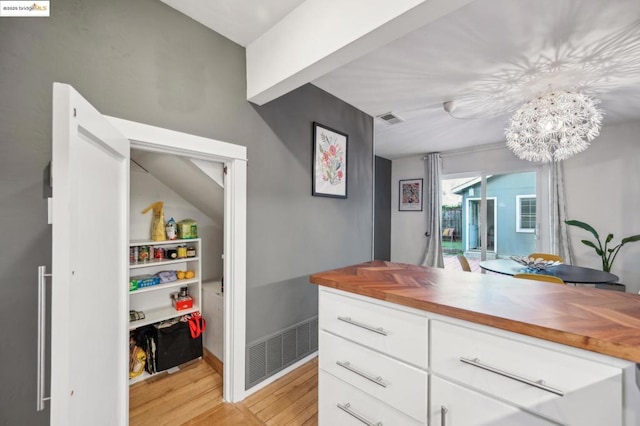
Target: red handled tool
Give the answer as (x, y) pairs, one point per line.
(197, 325)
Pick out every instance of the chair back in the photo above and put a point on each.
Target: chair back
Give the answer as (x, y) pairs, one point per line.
(540, 277)
(464, 263)
(546, 256)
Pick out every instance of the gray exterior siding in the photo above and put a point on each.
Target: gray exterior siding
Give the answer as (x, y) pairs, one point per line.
(505, 189)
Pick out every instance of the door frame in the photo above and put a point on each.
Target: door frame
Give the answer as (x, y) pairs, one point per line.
(495, 221)
(234, 157)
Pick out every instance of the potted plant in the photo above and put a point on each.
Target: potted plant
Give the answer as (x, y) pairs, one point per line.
(608, 255)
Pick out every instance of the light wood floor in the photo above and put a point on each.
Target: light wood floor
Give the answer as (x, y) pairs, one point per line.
(193, 396)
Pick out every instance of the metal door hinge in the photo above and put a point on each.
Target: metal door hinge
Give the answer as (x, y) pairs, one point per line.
(224, 170)
(50, 211)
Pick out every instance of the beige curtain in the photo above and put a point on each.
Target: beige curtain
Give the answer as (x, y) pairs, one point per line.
(433, 206)
(560, 242)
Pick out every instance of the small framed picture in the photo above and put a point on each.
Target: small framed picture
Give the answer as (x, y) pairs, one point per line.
(410, 195)
(329, 162)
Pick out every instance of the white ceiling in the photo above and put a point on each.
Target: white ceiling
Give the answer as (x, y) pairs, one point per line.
(241, 21)
(488, 57)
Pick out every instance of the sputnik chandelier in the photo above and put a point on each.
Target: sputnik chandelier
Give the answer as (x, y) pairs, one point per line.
(554, 126)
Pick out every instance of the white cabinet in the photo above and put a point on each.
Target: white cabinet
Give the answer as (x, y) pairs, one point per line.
(373, 362)
(454, 405)
(377, 325)
(382, 362)
(398, 384)
(155, 301)
(342, 404)
(557, 385)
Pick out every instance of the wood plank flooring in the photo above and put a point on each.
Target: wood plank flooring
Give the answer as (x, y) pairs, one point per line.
(193, 396)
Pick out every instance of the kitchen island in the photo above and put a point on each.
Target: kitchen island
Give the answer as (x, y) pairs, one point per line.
(409, 344)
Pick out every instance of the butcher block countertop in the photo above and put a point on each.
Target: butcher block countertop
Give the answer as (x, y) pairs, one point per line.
(602, 321)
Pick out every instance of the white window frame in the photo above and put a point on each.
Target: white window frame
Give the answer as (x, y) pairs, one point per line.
(519, 227)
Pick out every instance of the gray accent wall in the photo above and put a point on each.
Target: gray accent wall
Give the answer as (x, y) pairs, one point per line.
(145, 62)
(382, 217)
(291, 232)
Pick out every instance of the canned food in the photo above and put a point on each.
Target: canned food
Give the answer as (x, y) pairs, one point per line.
(143, 253)
(182, 252)
(158, 253)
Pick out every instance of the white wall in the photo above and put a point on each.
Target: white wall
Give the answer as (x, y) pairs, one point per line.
(603, 189)
(146, 189)
(408, 242)
(602, 185)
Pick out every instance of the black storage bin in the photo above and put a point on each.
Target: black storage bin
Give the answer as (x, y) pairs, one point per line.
(175, 346)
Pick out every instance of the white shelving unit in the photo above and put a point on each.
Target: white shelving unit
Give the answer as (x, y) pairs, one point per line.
(155, 301)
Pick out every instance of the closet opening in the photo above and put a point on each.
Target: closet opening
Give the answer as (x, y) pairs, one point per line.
(232, 159)
(176, 297)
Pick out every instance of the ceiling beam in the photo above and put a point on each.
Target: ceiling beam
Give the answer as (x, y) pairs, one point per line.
(322, 35)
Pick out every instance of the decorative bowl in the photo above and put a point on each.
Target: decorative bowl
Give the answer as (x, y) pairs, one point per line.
(538, 264)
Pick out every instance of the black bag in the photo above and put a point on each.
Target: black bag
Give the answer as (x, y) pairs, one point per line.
(175, 346)
(145, 338)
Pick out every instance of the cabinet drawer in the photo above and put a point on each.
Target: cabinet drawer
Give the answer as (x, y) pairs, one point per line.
(462, 407)
(398, 333)
(528, 375)
(402, 386)
(355, 403)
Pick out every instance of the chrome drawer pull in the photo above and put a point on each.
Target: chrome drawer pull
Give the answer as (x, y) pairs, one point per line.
(347, 409)
(377, 380)
(535, 383)
(443, 415)
(378, 330)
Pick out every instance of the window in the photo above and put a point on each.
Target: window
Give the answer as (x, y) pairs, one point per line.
(525, 213)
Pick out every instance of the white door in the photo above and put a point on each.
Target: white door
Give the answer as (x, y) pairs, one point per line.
(89, 344)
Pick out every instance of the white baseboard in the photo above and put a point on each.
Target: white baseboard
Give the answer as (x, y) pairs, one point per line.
(279, 374)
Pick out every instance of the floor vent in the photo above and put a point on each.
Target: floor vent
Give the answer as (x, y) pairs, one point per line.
(313, 335)
(257, 366)
(268, 356)
(274, 354)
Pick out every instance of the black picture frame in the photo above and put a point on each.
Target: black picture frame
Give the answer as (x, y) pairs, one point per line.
(410, 195)
(329, 163)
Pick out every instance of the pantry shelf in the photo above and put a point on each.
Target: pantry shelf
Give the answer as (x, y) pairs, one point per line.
(134, 243)
(158, 262)
(178, 283)
(155, 301)
(160, 314)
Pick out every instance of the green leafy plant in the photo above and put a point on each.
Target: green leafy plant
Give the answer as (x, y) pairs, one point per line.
(608, 255)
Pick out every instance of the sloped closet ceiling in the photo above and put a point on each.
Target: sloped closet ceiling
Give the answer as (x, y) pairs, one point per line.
(186, 179)
(241, 21)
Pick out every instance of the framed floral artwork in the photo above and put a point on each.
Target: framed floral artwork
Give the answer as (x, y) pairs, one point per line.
(411, 195)
(329, 162)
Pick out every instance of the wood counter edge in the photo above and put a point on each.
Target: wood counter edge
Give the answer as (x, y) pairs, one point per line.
(581, 341)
